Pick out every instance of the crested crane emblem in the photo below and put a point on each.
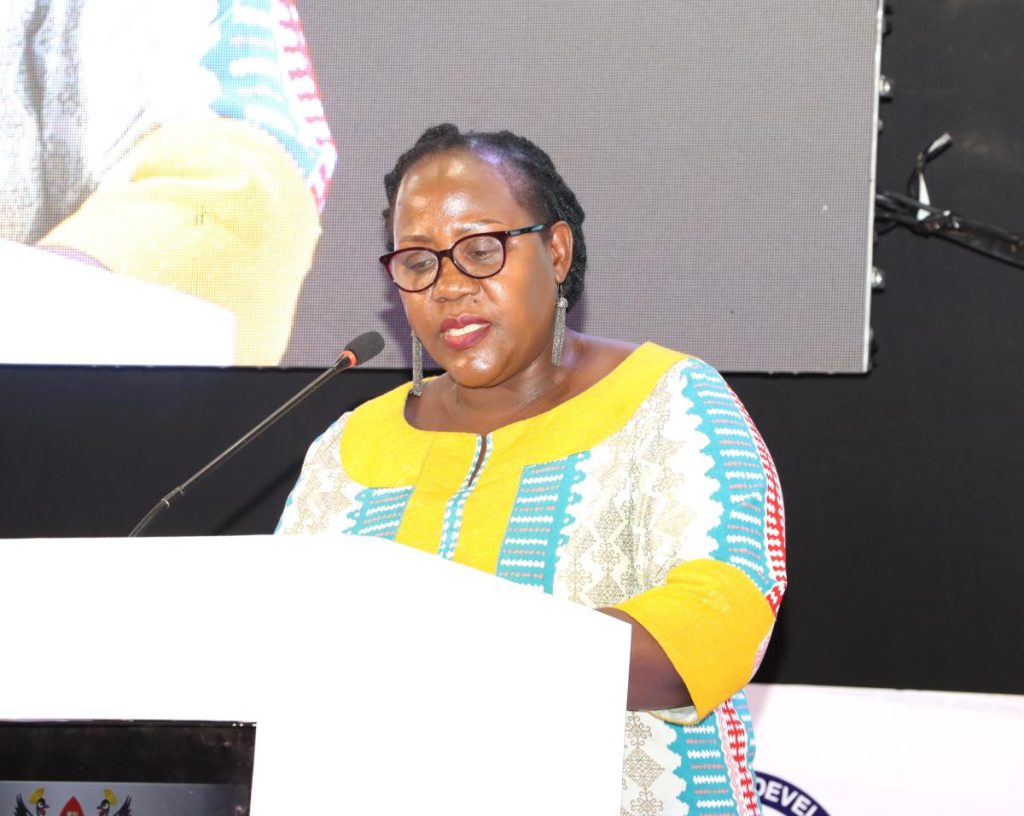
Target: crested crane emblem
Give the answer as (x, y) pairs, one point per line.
(38, 806)
(110, 801)
(37, 800)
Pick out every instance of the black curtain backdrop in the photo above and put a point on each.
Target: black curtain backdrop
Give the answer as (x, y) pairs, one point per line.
(902, 486)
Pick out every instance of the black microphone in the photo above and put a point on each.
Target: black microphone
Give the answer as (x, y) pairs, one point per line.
(365, 347)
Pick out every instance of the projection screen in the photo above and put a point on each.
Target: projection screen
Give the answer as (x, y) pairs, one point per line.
(724, 153)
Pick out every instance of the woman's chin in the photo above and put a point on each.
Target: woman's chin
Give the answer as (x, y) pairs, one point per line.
(472, 379)
(470, 371)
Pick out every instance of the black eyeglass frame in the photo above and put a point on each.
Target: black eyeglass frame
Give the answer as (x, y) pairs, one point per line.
(501, 235)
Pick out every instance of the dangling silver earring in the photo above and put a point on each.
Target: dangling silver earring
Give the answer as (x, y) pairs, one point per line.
(417, 366)
(559, 336)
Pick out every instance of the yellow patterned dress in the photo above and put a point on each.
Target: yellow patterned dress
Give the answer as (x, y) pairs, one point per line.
(651, 491)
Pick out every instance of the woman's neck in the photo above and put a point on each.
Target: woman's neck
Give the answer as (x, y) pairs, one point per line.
(447, 406)
(528, 393)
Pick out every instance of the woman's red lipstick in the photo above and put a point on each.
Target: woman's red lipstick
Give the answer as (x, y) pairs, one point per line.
(464, 331)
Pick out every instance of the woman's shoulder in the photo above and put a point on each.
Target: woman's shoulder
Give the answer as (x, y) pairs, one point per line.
(370, 415)
(653, 377)
(619, 360)
(624, 380)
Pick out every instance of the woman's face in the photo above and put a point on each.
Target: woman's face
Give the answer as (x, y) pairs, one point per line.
(483, 332)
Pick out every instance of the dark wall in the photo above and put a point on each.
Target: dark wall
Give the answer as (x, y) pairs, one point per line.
(902, 486)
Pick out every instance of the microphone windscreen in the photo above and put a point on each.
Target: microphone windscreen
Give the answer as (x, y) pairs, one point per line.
(366, 346)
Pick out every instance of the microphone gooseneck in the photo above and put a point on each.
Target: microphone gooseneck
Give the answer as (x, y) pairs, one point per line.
(365, 347)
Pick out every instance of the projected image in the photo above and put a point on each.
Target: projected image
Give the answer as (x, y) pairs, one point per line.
(163, 167)
(164, 170)
(723, 154)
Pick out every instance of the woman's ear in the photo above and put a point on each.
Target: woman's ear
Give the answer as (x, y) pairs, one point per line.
(560, 243)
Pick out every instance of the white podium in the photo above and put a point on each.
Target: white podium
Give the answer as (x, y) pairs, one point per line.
(381, 679)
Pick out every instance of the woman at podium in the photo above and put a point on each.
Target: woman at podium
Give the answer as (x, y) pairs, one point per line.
(628, 479)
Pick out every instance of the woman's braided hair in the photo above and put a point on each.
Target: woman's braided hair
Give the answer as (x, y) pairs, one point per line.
(532, 176)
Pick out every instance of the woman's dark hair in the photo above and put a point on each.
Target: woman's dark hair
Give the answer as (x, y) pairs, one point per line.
(534, 180)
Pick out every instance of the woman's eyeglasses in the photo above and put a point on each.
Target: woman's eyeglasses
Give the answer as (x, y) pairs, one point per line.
(480, 255)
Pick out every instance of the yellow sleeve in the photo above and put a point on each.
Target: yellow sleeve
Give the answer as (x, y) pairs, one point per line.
(214, 208)
(712, 623)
